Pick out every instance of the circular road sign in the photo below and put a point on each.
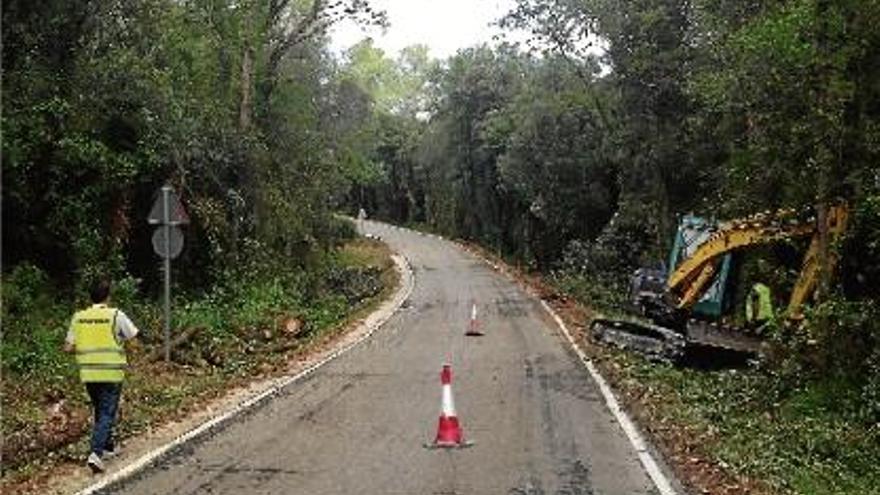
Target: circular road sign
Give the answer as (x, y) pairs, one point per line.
(175, 243)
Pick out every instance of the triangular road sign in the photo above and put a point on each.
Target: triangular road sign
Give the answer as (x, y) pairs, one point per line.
(176, 214)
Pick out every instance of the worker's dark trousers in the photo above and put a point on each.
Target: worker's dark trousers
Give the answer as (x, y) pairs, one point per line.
(105, 403)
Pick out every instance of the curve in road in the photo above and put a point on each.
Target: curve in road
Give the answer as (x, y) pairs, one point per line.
(359, 423)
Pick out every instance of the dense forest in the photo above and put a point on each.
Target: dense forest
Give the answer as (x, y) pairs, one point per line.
(573, 152)
(239, 106)
(236, 105)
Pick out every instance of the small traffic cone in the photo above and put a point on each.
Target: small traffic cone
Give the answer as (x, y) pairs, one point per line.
(449, 432)
(474, 325)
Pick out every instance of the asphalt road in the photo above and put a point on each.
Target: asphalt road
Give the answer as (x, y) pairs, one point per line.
(358, 425)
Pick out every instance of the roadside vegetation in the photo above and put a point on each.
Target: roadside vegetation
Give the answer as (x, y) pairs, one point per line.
(782, 424)
(752, 431)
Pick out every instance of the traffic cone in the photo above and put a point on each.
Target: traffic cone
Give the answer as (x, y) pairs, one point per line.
(449, 432)
(474, 325)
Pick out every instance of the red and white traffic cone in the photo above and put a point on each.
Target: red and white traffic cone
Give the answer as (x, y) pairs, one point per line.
(449, 432)
(474, 325)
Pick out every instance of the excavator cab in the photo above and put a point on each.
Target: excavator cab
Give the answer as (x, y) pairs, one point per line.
(650, 295)
(693, 232)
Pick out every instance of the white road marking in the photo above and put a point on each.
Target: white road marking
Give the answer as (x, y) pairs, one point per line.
(632, 433)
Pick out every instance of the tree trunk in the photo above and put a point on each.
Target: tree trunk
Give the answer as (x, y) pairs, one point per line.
(245, 110)
(828, 126)
(823, 257)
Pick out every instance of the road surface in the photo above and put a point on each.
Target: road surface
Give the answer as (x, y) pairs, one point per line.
(358, 424)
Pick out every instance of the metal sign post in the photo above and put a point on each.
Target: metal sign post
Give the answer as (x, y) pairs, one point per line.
(167, 259)
(168, 243)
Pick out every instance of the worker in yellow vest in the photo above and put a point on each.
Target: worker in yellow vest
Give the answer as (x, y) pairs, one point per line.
(759, 305)
(96, 335)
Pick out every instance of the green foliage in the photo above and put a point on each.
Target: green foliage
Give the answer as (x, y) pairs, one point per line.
(245, 324)
(393, 85)
(840, 344)
(340, 230)
(229, 102)
(781, 35)
(208, 313)
(33, 328)
(329, 311)
(862, 243)
(599, 291)
(553, 163)
(25, 292)
(355, 284)
(798, 441)
(137, 94)
(572, 162)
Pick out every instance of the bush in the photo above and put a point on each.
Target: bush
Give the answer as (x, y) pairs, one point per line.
(25, 290)
(34, 323)
(206, 313)
(336, 231)
(838, 345)
(326, 312)
(598, 272)
(847, 338)
(592, 289)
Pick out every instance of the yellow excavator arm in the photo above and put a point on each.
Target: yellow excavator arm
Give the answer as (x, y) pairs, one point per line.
(809, 275)
(693, 276)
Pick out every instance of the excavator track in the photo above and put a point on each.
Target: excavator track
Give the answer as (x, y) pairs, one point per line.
(653, 341)
(663, 344)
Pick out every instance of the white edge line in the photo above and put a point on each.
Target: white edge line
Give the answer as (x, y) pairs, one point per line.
(635, 438)
(664, 486)
(279, 385)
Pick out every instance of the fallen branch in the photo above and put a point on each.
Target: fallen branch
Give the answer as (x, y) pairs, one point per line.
(158, 352)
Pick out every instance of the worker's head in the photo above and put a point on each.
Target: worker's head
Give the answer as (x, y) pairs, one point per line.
(100, 291)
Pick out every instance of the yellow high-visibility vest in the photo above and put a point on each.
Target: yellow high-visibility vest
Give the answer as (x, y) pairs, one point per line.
(763, 310)
(99, 354)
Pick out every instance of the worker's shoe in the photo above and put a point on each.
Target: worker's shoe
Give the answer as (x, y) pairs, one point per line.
(110, 454)
(95, 463)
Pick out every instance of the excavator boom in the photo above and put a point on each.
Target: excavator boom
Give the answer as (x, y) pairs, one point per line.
(691, 279)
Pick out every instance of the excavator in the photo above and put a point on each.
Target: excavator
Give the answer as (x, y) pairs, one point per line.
(682, 308)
